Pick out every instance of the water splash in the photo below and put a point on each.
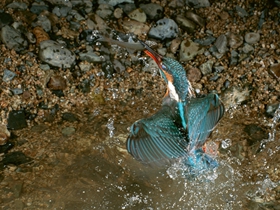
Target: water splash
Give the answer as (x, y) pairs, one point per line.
(110, 126)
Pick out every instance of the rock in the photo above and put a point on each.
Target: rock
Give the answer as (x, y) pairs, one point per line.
(118, 66)
(17, 91)
(197, 3)
(234, 40)
(205, 41)
(164, 29)
(55, 54)
(275, 70)
(114, 2)
(40, 35)
(185, 23)
(206, 68)
(193, 74)
(127, 8)
(16, 120)
(221, 44)
(17, 5)
(6, 147)
(189, 50)
(15, 158)
(38, 7)
(91, 57)
(84, 86)
(134, 27)
(39, 128)
(235, 96)
(118, 13)
(241, 12)
(60, 2)
(70, 117)
(252, 38)
(68, 131)
(234, 58)
(13, 39)
(44, 22)
(5, 19)
(4, 134)
(174, 46)
(255, 134)
(138, 15)
(8, 75)
(61, 11)
(105, 11)
(57, 83)
(152, 10)
(271, 109)
(195, 18)
(248, 49)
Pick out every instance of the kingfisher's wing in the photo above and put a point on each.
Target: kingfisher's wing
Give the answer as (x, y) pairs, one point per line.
(202, 115)
(156, 140)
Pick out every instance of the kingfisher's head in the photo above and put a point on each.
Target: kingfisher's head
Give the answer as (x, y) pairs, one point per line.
(173, 73)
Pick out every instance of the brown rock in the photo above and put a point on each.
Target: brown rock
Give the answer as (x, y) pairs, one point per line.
(4, 134)
(57, 83)
(193, 74)
(40, 35)
(275, 70)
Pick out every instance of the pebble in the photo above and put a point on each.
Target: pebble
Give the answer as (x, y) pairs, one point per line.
(195, 18)
(152, 10)
(40, 34)
(16, 120)
(105, 11)
(13, 39)
(91, 57)
(55, 54)
(221, 44)
(39, 128)
(118, 66)
(5, 19)
(174, 46)
(8, 75)
(61, 11)
(70, 117)
(38, 7)
(164, 29)
(17, 91)
(193, 74)
(114, 2)
(138, 15)
(68, 131)
(17, 5)
(275, 70)
(234, 58)
(4, 134)
(6, 147)
(185, 23)
(205, 41)
(135, 27)
(248, 49)
(241, 12)
(127, 8)
(197, 3)
(16, 158)
(118, 13)
(206, 68)
(57, 82)
(271, 108)
(252, 38)
(234, 40)
(189, 49)
(44, 22)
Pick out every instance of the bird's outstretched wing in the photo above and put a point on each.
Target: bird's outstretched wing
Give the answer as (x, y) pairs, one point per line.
(156, 140)
(202, 115)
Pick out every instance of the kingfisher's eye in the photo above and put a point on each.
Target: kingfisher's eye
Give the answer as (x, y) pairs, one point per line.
(163, 67)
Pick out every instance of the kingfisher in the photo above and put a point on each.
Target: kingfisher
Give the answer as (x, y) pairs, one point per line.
(182, 125)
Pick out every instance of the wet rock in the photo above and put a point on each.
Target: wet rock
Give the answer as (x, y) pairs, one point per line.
(5, 19)
(55, 54)
(206, 68)
(17, 5)
(152, 10)
(205, 41)
(57, 83)
(271, 108)
(135, 27)
(252, 38)
(138, 15)
(38, 7)
(4, 134)
(6, 147)
(8, 75)
(70, 117)
(40, 35)
(43, 22)
(221, 44)
(174, 46)
(39, 128)
(17, 91)
(234, 40)
(12, 38)
(105, 11)
(114, 2)
(235, 96)
(195, 18)
(197, 3)
(193, 74)
(16, 120)
(189, 50)
(255, 134)
(164, 29)
(68, 131)
(91, 57)
(275, 70)
(185, 23)
(16, 158)
(118, 13)
(241, 12)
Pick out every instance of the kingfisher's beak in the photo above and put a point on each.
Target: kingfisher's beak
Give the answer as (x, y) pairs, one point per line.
(155, 56)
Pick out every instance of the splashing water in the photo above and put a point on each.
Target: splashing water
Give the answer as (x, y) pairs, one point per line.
(110, 126)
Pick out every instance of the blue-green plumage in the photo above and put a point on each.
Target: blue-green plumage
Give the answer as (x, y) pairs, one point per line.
(182, 125)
